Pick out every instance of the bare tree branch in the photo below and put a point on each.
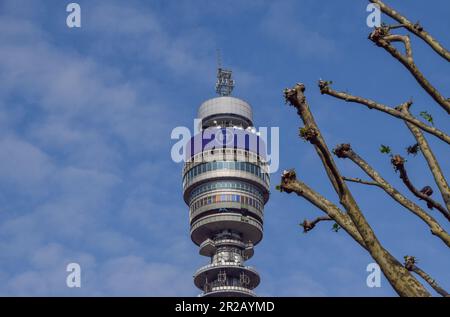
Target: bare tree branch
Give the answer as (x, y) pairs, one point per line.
(410, 265)
(289, 184)
(327, 90)
(345, 151)
(352, 219)
(359, 180)
(381, 37)
(400, 279)
(309, 225)
(433, 163)
(399, 165)
(311, 133)
(405, 40)
(395, 26)
(414, 28)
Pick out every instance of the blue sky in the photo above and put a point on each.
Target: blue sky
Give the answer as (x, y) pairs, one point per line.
(85, 121)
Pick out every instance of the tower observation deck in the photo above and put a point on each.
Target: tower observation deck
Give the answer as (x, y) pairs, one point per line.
(226, 185)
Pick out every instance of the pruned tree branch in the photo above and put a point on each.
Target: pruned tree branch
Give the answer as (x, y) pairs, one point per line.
(345, 151)
(289, 184)
(381, 37)
(310, 132)
(433, 163)
(414, 28)
(350, 218)
(410, 265)
(359, 180)
(399, 165)
(309, 225)
(405, 40)
(327, 90)
(395, 26)
(400, 279)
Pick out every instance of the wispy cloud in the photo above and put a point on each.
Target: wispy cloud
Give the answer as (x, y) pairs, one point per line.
(76, 125)
(283, 24)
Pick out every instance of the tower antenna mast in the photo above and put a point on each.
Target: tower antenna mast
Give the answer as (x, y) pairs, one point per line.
(219, 59)
(224, 83)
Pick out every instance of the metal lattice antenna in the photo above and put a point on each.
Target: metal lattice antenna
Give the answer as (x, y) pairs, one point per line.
(224, 84)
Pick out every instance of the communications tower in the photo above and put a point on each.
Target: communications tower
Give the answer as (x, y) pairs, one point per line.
(226, 185)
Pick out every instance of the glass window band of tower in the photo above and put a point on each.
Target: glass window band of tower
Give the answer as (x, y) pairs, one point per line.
(227, 185)
(210, 205)
(244, 200)
(225, 165)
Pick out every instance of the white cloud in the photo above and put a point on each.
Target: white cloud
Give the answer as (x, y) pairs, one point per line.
(133, 275)
(22, 164)
(118, 276)
(283, 24)
(74, 128)
(141, 34)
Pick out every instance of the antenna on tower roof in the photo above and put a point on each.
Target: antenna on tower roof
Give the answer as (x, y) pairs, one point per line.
(219, 59)
(224, 84)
